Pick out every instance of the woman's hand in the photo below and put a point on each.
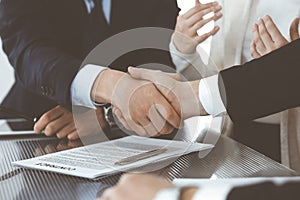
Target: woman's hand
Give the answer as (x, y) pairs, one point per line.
(294, 29)
(186, 38)
(267, 37)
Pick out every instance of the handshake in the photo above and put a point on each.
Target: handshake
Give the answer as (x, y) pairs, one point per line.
(148, 102)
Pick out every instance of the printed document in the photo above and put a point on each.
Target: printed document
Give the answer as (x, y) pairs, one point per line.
(111, 157)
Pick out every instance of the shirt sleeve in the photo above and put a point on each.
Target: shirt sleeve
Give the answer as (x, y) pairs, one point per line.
(82, 85)
(210, 97)
(168, 194)
(182, 61)
(213, 193)
(191, 65)
(208, 192)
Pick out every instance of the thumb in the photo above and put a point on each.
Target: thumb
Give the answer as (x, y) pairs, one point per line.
(197, 2)
(157, 77)
(294, 32)
(144, 74)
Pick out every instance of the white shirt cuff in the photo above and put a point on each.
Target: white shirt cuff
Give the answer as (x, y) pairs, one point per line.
(83, 83)
(212, 193)
(210, 97)
(182, 61)
(168, 194)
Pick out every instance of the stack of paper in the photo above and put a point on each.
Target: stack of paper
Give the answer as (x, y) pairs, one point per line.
(106, 158)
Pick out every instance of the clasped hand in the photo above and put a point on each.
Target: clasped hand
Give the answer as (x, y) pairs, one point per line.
(151, 102)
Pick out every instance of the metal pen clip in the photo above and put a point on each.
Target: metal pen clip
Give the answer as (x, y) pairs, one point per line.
(144, 155)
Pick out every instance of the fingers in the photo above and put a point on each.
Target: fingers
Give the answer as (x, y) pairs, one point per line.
(272, 28)
(143, 96)
(57, 121)
(148, 127)
(264, 33)
(143, 127)
(155, 76)
(277, 37)
(143, 74)
(202, 38)
(199, 15)
(66, 130)
(266, 37)
(120, 117)
(134, 126)
(47, 118)
(57, 125)
(73, 135)
(129, 124)
(201, 23)
(175, 76)
(168, 112)
(294, 29)
(188, 24)
(197, 8)
(161, 125)
(257, 39)
(155, 125)
(254, 53)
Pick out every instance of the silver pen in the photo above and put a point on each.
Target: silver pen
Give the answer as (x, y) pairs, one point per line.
(148, 154)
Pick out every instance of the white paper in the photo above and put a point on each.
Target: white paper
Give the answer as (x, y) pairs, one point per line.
(97, 160)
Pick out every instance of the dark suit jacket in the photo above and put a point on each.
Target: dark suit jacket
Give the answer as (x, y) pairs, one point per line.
(265, 191)
(47, 40)
(263, 86)
(260, 88)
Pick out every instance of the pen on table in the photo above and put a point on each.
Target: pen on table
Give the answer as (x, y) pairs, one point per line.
(17, 114)
(144, 155)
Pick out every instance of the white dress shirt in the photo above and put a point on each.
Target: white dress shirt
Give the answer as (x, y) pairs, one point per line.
(83, 83)
(210, 97)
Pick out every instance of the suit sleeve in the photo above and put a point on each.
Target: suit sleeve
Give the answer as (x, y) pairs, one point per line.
(263, 86)
(41, 64)
(266, 191)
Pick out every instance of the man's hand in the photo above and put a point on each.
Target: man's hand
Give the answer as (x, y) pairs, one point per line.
(57, 121)
(90, 122)
(185, 37)
(268, 38)
(145, 110)
(142, 186)
(60, 122)
(136, 187)
(183, 96)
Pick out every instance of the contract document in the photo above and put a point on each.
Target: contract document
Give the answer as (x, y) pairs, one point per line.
(93, 161)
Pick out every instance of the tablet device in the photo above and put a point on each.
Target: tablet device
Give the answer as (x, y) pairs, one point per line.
(16, 127)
